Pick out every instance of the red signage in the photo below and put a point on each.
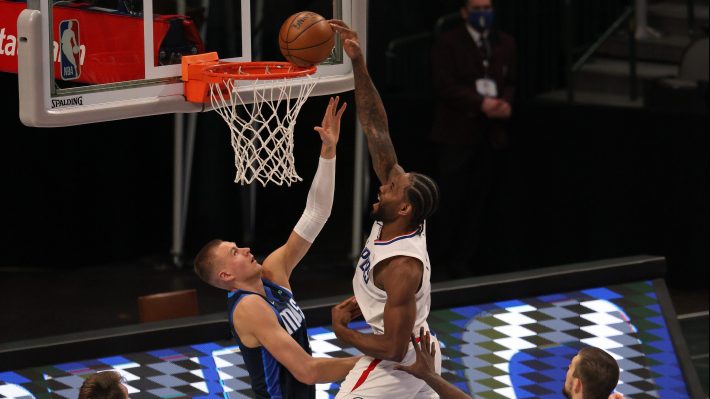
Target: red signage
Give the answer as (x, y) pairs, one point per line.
(111, 46)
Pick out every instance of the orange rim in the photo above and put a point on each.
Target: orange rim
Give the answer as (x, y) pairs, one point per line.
(255, 70)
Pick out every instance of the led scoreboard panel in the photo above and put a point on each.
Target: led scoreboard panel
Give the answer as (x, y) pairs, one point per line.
(516, 348)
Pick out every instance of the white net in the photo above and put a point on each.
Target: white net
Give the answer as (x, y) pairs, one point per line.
(261, 116)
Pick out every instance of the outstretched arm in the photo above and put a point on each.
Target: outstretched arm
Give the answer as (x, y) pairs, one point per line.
(256, 321)
(370, 110)
(281, 262)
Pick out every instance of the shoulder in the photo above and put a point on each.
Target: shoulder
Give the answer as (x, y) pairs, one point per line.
(400, 278)
(404, 264)
(251, 307)
(401, 269)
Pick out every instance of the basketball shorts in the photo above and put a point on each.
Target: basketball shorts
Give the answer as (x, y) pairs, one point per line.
(374, 378)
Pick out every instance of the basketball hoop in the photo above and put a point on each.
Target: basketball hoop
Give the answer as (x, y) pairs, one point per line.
(271, 95)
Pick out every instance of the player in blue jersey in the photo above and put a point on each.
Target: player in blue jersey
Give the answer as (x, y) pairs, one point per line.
(266, 322)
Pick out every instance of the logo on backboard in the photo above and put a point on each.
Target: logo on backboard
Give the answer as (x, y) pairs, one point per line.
(70, 47)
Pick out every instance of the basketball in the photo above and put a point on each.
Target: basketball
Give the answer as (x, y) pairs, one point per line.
(306, 38)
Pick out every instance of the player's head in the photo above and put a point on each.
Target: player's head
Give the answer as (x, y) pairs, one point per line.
(478, 13)
(223, 264)
(103, 385)
(592, 374)
(423, 195)
(411, 196)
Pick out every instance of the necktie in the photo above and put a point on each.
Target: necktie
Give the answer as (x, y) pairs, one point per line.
(485, 46)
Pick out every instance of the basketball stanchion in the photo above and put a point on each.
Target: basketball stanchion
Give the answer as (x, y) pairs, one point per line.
(270, 93)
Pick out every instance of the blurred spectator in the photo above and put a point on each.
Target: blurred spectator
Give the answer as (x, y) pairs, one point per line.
(473, 69)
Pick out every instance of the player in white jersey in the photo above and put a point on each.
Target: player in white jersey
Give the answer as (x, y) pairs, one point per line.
(391, 282)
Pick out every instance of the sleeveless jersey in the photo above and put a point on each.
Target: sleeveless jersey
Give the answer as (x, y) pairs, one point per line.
(372, 299)
(269, 379)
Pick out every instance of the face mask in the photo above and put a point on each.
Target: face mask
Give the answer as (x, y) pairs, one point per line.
(481, 20)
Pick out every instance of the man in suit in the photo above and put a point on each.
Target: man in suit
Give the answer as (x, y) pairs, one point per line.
(473, 69)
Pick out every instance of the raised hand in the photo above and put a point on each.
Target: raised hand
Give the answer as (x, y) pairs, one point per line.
(329, 130)
(370, 109)
(351, 44)
(423, 367)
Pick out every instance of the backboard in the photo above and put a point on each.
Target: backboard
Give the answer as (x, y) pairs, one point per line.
(100, 60)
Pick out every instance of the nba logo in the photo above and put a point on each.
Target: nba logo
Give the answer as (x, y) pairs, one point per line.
(70, 49)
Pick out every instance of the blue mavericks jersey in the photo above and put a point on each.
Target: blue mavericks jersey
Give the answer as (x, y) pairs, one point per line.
(269, 379)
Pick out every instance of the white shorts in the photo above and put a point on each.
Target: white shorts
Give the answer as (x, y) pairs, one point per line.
(375, 378)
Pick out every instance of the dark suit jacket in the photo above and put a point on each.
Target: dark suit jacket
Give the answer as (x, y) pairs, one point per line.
(457, 62)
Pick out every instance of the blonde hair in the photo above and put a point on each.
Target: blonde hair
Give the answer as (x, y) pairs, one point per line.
(205, 261)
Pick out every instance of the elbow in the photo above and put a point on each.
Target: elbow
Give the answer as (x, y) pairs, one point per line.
(308, 374)
(311, 379)
(397, 353)
(396, 357)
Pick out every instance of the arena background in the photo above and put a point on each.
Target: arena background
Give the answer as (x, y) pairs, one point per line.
(86, 211)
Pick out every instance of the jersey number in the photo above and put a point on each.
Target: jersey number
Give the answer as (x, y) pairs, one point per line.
(365, 265)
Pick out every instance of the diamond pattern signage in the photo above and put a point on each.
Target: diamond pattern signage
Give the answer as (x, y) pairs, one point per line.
(511, 349)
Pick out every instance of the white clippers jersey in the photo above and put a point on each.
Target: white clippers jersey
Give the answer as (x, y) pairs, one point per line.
(372, 299)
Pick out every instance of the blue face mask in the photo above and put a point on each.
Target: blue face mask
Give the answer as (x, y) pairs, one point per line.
(481, 20)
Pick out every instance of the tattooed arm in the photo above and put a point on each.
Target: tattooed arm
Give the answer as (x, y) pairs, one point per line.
(370, 110)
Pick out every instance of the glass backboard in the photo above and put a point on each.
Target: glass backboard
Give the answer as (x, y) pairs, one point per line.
(99, 60)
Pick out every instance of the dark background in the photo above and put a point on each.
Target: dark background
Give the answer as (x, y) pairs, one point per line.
(581, 182)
